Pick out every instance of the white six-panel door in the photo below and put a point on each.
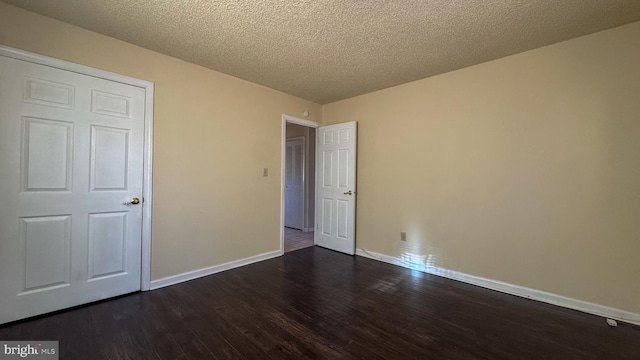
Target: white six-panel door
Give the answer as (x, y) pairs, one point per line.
(71, 156)
(336, 187)
(294, 184)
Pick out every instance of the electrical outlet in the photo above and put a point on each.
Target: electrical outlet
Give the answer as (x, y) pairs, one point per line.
(403, 236)
(265, 172)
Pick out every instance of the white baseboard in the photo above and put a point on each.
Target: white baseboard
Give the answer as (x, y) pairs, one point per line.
(550, 298)
(309, 229)
(176, 279)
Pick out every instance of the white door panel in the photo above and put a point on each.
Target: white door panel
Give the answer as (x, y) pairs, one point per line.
(336, 187)
(71, 153)
(294, 184)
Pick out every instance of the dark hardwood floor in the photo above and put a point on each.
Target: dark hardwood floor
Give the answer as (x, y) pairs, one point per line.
(318, 304)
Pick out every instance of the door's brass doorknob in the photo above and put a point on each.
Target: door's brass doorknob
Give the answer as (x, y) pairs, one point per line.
(134, 201)
(349, 193)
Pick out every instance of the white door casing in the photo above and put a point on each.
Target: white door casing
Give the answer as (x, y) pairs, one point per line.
(294, 183)
(336, 187)
(71, 154)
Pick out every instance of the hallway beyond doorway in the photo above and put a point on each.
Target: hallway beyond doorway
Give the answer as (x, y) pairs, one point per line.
(295, 239)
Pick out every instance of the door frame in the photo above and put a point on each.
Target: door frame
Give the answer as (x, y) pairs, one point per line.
(304, 177)
(145, 274)
(283, 144)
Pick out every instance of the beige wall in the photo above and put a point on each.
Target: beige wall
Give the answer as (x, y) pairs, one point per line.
(524, 169)
(309, 134)
(213, 136)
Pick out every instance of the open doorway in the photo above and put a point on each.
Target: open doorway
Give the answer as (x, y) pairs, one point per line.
(333, 180)
(299, 186)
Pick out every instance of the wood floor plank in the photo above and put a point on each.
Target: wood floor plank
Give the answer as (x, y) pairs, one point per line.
(158, 330)
(287, 343)
(195, 349)
(213, 329)
(318, 304)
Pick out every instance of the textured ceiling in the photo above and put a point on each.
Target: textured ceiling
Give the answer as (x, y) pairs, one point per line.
(327, 50)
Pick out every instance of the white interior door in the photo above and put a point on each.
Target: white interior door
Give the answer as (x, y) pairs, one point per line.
(71, 155)
(336, 187)
(294, 184)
